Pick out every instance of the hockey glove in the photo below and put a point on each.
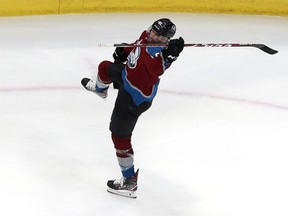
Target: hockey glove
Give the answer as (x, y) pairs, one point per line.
(119, 55)
(173, 50)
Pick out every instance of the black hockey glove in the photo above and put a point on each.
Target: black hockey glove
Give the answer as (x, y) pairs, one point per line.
(119, 55)
(173, 50)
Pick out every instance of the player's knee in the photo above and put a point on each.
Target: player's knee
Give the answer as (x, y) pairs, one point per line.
(119, 130)
(121, 143)
(103, 71)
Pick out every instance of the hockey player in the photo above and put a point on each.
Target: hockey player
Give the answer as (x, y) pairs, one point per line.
(135, 72)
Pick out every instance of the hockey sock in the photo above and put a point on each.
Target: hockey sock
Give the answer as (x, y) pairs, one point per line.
(125, 154)
(103, 76)
(100, 86)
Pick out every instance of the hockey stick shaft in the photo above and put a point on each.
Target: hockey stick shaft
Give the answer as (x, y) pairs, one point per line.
(262, 47)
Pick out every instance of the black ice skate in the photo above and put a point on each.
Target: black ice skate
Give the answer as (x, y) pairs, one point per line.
(124, 186)
(90, 85)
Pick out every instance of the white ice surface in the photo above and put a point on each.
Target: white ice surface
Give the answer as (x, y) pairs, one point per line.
(214, 142)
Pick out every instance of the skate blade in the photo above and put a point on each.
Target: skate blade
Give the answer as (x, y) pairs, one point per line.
(100, 94)
(125, 193)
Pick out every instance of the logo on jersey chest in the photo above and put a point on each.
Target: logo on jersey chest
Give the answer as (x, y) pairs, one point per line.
(133, 58)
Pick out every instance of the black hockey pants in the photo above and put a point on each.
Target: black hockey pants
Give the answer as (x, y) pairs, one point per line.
(125, 113)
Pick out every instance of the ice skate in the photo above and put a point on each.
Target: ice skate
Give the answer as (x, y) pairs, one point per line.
(91, 85)
(124, 187)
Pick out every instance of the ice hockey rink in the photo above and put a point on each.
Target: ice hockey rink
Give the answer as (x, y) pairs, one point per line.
(214, 142)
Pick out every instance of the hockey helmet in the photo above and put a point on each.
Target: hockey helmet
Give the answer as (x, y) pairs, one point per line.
(164, 27)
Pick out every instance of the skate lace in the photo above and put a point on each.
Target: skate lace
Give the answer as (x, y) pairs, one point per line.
(120, 181)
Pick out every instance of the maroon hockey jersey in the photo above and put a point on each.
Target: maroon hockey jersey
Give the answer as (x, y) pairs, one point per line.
(143, 69)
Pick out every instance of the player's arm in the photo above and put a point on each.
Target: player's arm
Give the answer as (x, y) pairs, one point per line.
(121, 53)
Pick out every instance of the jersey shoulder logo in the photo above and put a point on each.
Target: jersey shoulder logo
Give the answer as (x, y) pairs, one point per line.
(133, 58)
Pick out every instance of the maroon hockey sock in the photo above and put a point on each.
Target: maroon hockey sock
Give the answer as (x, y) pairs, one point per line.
(103, 72)
(124, 154)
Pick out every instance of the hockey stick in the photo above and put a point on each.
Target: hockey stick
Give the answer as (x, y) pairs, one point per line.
(262, 47)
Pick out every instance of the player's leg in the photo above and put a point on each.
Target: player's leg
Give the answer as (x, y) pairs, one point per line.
(123, 120)
(100, 84)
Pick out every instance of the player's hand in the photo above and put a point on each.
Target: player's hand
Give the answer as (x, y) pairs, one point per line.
(119, 55)
(173, 50)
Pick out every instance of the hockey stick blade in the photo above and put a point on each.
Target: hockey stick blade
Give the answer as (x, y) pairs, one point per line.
(266, 49)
